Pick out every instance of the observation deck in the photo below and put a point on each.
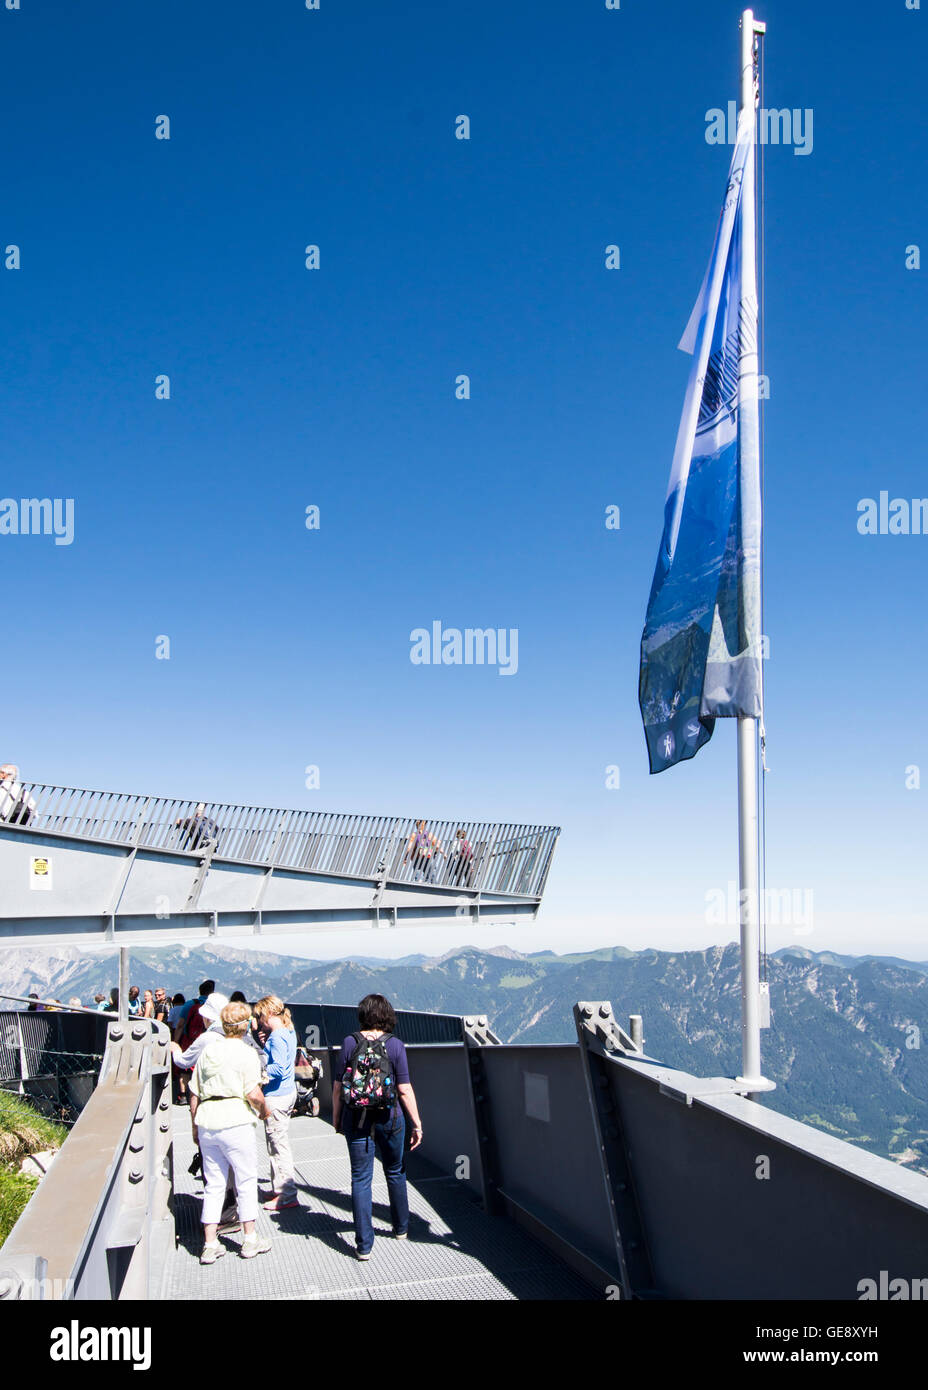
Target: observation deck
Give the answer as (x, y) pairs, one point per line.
(90, 866)
(580, 1170)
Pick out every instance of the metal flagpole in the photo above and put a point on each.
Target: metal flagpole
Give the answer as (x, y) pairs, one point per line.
(748, 827)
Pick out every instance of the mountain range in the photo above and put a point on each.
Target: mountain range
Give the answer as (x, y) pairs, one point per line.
(844, 1046)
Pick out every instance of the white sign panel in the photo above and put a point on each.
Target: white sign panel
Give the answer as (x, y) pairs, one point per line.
(40, 873)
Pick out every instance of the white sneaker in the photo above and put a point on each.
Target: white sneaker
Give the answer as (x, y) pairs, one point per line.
(210, 1253)
(252, 1246)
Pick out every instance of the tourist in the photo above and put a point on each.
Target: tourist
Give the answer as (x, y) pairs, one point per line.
(225, 1102)
(275, 1023)
(200, 833)
(148, 1004)
(367, 1106)
(17, 807)
(173, 1017)
(185, 1062)
(420, 849)
(462, 861)
(99, 1003)
(135, 1003)
(184, 1029)
(162, 1006)
(210, 1011)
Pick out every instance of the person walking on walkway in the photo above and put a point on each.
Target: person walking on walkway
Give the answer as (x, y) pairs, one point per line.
(368, 1105)
(421, 848)
(225, 1104)
(276, 1026)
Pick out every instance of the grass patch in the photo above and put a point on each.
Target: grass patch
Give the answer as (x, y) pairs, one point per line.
(15, 1191)
(23, 1131)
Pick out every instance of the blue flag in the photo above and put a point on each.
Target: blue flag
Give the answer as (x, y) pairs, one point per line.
(700, 649)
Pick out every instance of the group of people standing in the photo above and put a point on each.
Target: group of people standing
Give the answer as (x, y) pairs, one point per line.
(423, 849)
(240, 1066)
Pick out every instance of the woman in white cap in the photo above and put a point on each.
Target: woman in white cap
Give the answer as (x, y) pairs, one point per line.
(226, 1102)
(210, 1009)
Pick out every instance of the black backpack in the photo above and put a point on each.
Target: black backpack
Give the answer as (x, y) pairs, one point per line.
(369, 1082)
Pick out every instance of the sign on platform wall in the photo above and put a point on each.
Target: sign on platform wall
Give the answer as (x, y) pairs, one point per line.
(40, 872)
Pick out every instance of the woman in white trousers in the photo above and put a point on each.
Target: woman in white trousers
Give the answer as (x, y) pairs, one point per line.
(226, 1102)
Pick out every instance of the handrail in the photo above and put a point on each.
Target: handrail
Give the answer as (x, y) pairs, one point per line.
(506, 857)
(87, 1230)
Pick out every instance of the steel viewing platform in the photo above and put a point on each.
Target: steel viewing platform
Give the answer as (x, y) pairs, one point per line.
(566, 1171)
(88, 866)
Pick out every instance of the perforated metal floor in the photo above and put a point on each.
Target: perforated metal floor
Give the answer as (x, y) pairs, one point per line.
(454, 1251)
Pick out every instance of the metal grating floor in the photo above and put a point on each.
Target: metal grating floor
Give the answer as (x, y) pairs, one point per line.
(454, 1251)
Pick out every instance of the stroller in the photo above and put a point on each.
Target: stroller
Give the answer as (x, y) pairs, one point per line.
(307, 1071)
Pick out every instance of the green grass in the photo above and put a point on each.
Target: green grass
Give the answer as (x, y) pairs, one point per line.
(23, 1131)
(15, 1191)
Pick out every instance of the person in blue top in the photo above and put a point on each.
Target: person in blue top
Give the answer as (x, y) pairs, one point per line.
(276, 1027)
(383, 1130)
(134, 1003)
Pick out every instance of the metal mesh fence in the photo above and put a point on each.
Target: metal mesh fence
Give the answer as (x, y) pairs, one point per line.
(53, 1060)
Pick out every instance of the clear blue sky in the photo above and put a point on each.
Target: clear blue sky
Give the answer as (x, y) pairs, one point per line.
(336, 387)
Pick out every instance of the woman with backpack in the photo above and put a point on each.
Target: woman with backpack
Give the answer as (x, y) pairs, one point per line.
(368, 1105)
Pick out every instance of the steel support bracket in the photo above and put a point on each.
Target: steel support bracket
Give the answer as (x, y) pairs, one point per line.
(477, 1036)
(602, 1042)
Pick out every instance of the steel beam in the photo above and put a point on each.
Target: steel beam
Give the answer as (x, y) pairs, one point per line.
(478, 1035)
(600, 1039)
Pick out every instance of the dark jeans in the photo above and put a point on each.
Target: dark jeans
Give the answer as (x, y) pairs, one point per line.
(367, 1136)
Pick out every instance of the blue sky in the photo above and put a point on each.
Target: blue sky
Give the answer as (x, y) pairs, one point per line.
(335, 387)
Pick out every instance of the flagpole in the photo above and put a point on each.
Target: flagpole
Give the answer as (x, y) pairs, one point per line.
(748, 821)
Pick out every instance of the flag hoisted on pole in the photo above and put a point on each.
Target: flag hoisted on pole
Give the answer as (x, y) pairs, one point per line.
(701, 646)
(700, 650)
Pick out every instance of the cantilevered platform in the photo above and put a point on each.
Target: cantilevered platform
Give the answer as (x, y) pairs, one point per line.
(85, 866)
(454, 1251)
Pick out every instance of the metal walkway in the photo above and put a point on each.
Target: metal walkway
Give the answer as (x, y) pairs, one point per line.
(454, 1251)
(77, 866)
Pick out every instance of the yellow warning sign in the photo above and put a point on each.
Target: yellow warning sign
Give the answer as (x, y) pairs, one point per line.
(40, 872)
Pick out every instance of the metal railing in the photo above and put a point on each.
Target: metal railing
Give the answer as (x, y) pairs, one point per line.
(504, 858)
(102, 1216)
(643, 1179)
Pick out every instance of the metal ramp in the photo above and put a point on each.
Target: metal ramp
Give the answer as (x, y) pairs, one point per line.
(86, 866)
(454, 1252)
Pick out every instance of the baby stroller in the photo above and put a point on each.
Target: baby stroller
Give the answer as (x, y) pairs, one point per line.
(307, 1071)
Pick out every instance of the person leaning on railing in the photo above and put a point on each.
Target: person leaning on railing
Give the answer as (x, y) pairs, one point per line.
(17, 807)
(226, 1103)
(200, 832)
